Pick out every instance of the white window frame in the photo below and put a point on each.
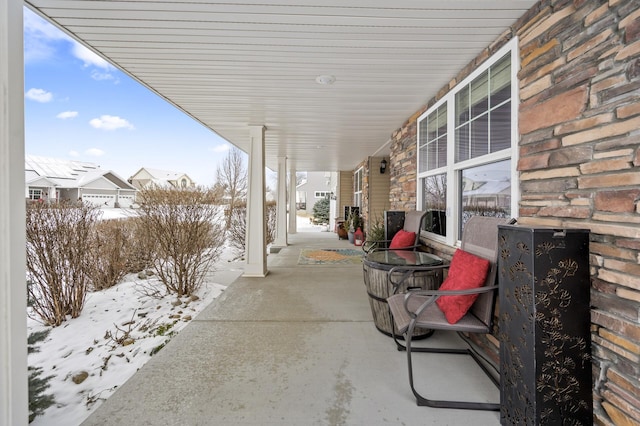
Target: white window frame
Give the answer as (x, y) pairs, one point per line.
(453, 170)
(322, 194)
(357, 191)
(33, 192)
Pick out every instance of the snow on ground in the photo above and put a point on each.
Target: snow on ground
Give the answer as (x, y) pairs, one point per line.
(115, 335)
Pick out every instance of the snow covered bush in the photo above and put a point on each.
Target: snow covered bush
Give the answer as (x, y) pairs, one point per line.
(59, 255)
(187, 232)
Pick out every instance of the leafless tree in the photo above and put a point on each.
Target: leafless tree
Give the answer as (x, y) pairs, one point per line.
(231, 175)
(185, 225)
(59, 255)
(435, 192)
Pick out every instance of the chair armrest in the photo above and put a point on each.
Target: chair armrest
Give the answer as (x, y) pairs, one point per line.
(369, 246)
(414, 247)
(434, 295)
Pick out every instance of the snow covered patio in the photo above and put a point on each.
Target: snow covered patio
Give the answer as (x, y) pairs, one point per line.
(295, 348)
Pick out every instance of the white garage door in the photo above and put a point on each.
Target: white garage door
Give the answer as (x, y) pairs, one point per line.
(126, 201)
(101, 200)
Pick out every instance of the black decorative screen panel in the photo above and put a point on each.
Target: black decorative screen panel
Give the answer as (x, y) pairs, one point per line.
(545, 342)
(393, 222)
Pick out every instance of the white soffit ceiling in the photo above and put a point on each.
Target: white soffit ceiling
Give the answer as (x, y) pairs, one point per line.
(240, 63)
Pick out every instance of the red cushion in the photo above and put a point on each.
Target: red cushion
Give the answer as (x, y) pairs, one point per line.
(465, 272)
(403, 239)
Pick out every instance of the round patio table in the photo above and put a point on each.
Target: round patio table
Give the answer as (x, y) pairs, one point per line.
(388, 272)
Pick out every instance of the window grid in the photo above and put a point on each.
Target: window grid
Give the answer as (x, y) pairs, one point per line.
(480, 182)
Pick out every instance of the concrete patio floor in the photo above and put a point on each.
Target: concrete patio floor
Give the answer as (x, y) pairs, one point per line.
(298, 347)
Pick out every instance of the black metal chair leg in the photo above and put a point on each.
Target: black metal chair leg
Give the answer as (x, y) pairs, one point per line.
(462, 405)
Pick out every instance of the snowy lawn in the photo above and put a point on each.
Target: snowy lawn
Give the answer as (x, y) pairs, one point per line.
(118, 331)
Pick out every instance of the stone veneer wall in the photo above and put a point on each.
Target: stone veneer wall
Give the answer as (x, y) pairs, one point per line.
(403, 165)
(579, 164)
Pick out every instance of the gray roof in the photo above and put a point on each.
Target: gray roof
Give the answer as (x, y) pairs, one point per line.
(69, 173)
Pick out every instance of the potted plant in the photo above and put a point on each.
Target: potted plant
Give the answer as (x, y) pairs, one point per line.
(375, 236)
(351, 224)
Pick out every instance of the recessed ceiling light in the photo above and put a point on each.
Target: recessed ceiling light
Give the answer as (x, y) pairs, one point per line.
(325, 79)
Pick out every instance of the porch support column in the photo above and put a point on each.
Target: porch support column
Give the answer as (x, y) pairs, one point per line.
(293, 226)
(256, 234)
(281, 213)
(13, 294)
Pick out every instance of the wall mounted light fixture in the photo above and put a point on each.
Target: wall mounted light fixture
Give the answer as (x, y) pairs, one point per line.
(383, 166)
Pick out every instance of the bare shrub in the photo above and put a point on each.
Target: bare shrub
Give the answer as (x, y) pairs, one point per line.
(141, 245)
(185, 226)
(271, 221)
(59, 256)
(237, 229)
(111, 243)
(236, 234)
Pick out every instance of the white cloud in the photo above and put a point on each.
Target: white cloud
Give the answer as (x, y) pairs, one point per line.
(110, 122)
(101, 76)
(221, 148)
(44, 42)
(73, 153)
(88, 57)
(67, 114)
(39, 95)
(94, 152)
(40, 37)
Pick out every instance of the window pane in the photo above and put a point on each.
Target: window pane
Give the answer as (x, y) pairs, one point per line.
(486, 191)
(501, 128)
(422, 143)
(501, 81)
(462, 106)
(434, 194)
(432, 127)
(480, 136)
(442, 151)
(462, 143)
(433, 130)
(432, 149)
(442, 120)
(479, 95)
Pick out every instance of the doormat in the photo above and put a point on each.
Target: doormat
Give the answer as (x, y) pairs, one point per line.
(330, 256)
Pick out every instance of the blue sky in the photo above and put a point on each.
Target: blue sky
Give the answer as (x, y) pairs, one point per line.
(79, 107)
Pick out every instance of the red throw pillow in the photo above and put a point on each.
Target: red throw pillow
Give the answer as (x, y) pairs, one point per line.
(403, 239)
(465, 272)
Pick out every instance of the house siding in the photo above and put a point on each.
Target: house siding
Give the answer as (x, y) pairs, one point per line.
(345, 191)
(316, 181)
(377, 192)
(579, 167)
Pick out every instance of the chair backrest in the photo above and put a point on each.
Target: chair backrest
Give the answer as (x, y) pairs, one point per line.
(480, 237)
(413, 222)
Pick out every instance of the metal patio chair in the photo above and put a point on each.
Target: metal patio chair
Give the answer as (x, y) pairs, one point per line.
(418, 309)
(413, 222)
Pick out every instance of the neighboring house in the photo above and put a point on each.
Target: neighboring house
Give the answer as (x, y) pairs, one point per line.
(146, 177)
(54, 179)
(315, 187)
